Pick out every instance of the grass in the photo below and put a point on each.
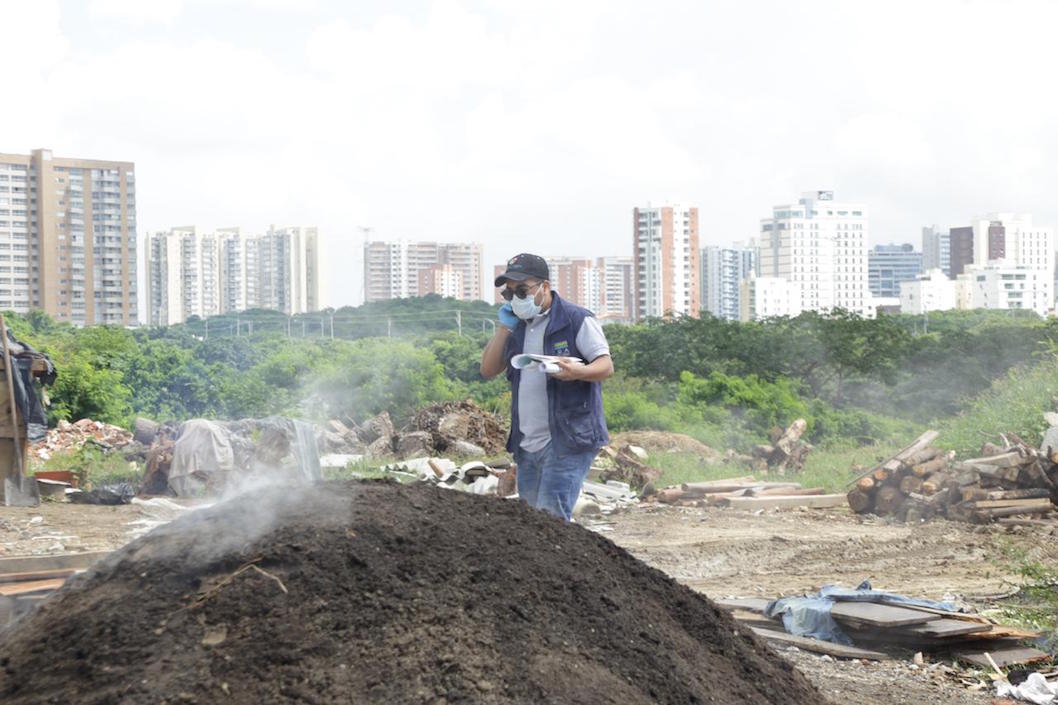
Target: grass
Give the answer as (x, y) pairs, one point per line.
(93, 467)
(830, 467)
(1014, 402)
(1035, 605)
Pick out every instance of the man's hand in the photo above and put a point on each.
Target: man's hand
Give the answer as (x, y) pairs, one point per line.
(507, 318)
(596, 371)
(568, 370)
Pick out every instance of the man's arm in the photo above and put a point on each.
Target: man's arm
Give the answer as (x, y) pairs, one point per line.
(492, 362)
(595, 371)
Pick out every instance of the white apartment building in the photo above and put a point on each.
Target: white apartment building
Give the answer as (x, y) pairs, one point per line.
(819, 246)
(1013, 237)
(192, 273)
(931, 291)
(766, 297)
(392, 269)
(997, 285)
(722, 272)
(665, 251)
(443, 280)
(617, 289)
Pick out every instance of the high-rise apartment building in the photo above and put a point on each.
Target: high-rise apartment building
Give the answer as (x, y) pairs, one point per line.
(68, 238)
(603, 285)
(819, 246)
(936, 249)
(889, 265)
(665, 251)
(722, 272)
(1008, 237)
(766, 297)
(392, 269)
(191, 273)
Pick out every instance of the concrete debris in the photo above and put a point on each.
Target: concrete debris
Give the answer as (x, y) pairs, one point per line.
(67, 437)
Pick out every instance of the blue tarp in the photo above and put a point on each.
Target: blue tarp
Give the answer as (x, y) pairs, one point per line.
(810, 615)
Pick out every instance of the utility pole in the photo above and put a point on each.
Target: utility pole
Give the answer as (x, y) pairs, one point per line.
(238, 326)
(389, 327)
(332, 326)
(207, 329)
(459, 322)
(288, 326)
(302, 327)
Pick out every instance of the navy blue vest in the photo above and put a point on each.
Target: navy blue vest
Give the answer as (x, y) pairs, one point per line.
(575, 412)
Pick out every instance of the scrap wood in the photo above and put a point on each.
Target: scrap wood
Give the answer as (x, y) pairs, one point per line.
(1012, 656)
(37, 575)
(878, 615)
(817, 646)
(919, 444)
(824, 501)
(12, 589)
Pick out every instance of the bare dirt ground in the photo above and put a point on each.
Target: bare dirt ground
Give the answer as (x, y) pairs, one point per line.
(725, 553)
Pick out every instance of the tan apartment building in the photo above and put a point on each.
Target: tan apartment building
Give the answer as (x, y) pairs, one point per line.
(399, 269)
(665, 250)
(68, 238)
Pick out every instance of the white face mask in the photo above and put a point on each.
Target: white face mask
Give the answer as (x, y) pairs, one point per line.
(525, 308)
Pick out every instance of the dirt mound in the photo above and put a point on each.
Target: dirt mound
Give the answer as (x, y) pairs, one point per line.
(451, 423)
(663, 441)
(376, 592)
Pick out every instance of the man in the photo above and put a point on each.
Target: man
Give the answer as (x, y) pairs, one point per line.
(557, 422)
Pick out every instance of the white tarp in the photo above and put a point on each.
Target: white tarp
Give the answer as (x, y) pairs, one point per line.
(202, 452)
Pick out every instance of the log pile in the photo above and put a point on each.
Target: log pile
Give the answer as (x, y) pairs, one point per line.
(1006, 483)
(786, 451)
(745, 493)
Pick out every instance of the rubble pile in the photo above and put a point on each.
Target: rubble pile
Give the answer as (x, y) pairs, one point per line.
(1005, 484)
(448, 428)
(383, 593)
(786, 451)
(67, 437)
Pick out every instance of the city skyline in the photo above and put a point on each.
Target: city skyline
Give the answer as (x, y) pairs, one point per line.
(384, 117)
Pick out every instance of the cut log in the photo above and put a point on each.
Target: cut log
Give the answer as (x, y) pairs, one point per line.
(990, 449)
(1034, 476)
(865, 484)
(669, 495)
(790, 437)
(880, 475)
(984, 516)
(739, 482)
(928, 468)
(935, 483)
(784, 491)
(859, 501)
(920, 443)
(922, 456)
(1005, 460)
(886, 500)
(910, 483)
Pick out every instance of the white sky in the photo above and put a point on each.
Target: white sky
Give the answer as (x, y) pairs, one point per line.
(537, 125)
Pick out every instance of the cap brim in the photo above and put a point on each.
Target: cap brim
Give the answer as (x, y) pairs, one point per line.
(512, 276)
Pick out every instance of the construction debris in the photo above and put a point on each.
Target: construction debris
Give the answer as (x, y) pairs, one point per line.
(628, 465)
(67, 437)
(864, 618)
(922, 482)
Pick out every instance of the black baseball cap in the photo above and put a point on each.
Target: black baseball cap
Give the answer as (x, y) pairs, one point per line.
(522, 267)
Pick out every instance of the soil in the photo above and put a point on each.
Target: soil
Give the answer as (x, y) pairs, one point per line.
(377, 592)
(665, 442)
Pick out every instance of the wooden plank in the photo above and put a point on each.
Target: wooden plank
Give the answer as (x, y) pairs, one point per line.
(36, 575)
(1006, 460)
(817, 646)
(878, 615)
(750, 604)
(1005, 503)
(893, 464)
(11, 589)
(785, 492)
(823, 501)
(25, 564)
(944, 628)
(1003, 657)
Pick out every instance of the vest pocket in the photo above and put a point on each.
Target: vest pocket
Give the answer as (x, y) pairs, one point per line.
(576, 424)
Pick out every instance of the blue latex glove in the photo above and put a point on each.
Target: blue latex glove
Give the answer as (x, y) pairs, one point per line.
(507, 317)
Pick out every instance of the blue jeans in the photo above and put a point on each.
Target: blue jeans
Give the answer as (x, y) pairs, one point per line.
(552, 482)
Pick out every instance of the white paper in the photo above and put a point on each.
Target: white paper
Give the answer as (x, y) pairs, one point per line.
(547, 364)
